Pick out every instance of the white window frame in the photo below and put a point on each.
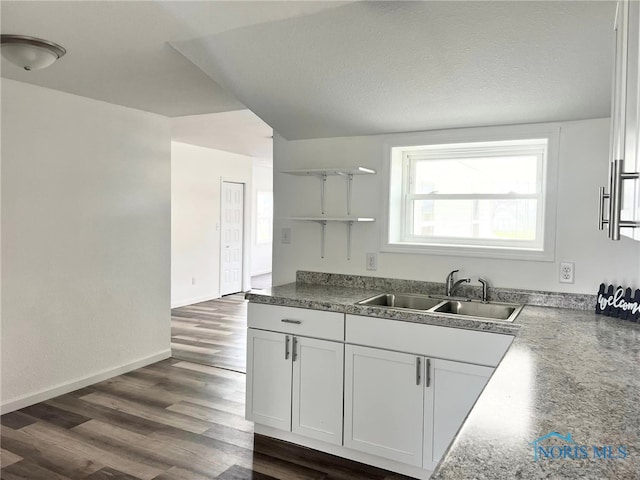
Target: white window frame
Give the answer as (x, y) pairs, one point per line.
(395, 204)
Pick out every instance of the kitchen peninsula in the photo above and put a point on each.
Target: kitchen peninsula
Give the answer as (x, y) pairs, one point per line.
(568, 373)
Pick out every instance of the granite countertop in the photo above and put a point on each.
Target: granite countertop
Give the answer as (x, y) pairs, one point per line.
(343, 299)
(567, 371)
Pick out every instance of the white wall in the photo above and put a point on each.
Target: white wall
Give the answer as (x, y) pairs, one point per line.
(85, 241)
(196, 175)
(583, 167)
(260, 252)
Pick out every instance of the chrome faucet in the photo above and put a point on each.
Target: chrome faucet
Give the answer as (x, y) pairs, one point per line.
(485, 289)
(451, 285)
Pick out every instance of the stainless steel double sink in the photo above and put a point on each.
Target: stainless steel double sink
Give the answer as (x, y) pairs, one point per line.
(445, 305)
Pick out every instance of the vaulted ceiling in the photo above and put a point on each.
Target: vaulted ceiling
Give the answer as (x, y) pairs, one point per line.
(316, 69)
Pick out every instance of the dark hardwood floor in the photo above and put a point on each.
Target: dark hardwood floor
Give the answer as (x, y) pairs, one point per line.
(173, 420)
(212, 333)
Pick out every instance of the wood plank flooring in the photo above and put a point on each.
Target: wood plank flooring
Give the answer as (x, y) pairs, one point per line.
(173, 420)
(212, 333)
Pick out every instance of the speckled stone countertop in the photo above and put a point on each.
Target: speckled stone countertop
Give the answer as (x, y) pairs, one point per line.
(567, 371)
(343, 299)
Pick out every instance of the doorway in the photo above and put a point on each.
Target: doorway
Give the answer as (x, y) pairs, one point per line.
(231, 237)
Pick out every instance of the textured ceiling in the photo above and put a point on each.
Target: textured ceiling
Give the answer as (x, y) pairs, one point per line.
(317, 69)
(379, 67)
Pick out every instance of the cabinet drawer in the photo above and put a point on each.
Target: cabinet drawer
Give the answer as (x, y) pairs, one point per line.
(470, 346)
(297, 321)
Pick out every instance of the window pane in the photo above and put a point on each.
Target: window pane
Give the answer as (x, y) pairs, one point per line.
(517, 174)
(481, 219)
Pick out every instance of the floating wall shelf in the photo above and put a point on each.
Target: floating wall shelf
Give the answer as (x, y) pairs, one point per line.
(323, 173)
(349, 221)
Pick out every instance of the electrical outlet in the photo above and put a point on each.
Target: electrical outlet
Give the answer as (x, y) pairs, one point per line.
(372, 261)
(286, 235)
(567, 272)
(193, 280)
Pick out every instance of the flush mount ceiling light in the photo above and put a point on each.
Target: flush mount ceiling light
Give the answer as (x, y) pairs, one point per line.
(30, 53)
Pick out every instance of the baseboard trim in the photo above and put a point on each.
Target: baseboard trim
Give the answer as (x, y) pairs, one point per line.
(260, 272)
(191, 301)
(43, 395)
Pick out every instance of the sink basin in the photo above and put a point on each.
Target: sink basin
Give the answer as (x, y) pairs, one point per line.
(402, 300)
(496, 311)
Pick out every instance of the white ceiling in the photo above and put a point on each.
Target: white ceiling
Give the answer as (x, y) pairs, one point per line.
(314, 69)
(118, 51)
(240, 131)
(378, 67)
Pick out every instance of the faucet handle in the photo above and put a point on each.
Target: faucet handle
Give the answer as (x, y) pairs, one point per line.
(485, 289)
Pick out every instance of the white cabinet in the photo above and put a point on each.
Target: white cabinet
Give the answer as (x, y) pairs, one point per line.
(631, 189)
(295, 383)
(409, 386)
(456, 388)
(624, 182)
(405, 407)
(318, 367)
(399, 391)
(384, 403)
(269, 372)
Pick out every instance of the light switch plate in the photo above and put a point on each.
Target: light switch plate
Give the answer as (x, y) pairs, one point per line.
(372, 261)
(286, 235)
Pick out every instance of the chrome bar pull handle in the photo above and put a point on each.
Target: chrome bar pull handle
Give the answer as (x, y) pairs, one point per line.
(428, 382)
(615, 200)
(286, 347)
(417, 370)
(294, 353)
(286, 320)
(618, 176)
(601, 220)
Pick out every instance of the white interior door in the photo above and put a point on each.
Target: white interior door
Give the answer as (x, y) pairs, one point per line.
(231, 237)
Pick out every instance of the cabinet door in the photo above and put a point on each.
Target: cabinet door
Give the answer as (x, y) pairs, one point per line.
(456, 387)
(384, 403)
(318, 367)
(631, 188)
(269, 378)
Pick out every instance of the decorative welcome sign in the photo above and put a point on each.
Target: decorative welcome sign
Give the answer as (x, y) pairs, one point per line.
(621, 303)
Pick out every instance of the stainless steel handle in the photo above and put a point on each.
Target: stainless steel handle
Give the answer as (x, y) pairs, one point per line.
(615, 200)
(601, 220)
(294, 353)
(286, 348)
(428, 382)
(417, 370)
(286, 320)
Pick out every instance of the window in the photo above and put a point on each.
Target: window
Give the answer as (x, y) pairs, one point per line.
(481, 198)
